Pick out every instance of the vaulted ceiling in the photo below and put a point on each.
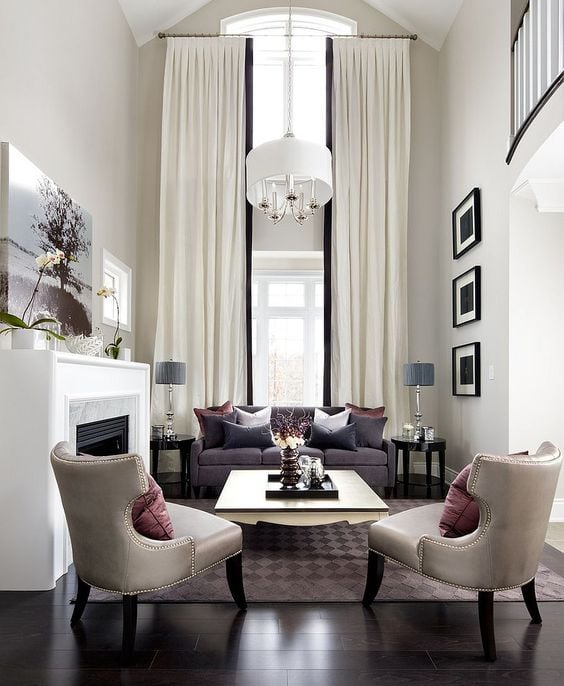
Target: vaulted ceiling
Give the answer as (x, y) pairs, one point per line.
(430, 19)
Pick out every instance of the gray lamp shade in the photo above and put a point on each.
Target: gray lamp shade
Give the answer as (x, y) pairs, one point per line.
(170, 373)
(419, 374)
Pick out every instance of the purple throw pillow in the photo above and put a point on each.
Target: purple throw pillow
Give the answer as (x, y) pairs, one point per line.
(149, 514)
(461, 512)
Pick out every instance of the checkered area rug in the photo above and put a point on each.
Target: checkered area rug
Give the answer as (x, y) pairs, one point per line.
(321, 563)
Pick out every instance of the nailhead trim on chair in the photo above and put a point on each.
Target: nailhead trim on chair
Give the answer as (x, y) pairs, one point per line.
(159, 588)
(448, 583)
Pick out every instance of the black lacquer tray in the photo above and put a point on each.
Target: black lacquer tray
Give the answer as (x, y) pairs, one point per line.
(327, 489)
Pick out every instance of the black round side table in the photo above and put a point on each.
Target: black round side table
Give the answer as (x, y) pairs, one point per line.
(407, 446)
(182, 443)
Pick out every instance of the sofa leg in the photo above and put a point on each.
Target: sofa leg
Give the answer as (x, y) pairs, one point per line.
(81, 600)
(196, 491)
(374, 576)
(530, 598)
(486, 616)
(388, 490)
(234, 570)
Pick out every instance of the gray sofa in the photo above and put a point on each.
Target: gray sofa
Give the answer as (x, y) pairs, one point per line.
(211, 467)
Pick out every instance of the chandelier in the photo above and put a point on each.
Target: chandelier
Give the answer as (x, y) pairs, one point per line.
(289, 175)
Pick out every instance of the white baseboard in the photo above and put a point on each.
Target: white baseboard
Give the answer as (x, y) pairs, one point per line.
(557, 513)
(419, 467)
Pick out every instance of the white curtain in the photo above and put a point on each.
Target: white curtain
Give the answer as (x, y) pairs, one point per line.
(201, 312)
(369, 268)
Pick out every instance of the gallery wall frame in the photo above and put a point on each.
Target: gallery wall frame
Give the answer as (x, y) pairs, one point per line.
(466, 224)
(466, 372)
(467, 297)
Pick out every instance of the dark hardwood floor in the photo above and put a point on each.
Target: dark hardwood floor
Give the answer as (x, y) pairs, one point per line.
(280, 644)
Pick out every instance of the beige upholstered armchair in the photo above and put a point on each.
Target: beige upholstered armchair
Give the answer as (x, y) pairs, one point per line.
(515, 496)
(97, 495)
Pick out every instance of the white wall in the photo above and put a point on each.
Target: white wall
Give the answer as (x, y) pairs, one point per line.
(424, 175)
(474, 80)
(68, 85)
(536, 328)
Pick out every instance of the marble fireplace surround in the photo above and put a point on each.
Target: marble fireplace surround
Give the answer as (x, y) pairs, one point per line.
(86, 410)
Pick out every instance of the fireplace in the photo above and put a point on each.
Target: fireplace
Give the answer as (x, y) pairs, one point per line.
(103, 437)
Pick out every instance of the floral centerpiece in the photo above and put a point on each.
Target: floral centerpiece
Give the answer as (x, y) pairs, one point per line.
(289, 432)
(112, 349)
(14, 323)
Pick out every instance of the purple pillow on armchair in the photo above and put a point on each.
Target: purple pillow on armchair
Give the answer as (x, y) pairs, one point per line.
(149, 514)
(461, 512)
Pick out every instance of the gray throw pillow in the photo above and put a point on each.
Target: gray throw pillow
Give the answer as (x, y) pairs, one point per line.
(214, 435)
(238, 436)
(369, 431)
(342, 439)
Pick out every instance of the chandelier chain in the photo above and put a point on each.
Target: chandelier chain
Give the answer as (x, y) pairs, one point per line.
(290, 71)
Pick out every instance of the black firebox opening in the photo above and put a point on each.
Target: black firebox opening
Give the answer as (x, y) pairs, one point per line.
(103, 437)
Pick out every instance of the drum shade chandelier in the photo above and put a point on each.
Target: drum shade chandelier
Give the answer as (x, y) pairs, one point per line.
(282, 173)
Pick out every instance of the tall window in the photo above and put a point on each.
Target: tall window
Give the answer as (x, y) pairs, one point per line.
(288, 337)
(288, 305)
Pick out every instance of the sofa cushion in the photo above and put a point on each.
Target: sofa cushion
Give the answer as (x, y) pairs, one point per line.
(367, 412)
(361, 456)
(331, 421)
(235, 456)
(150, 515)
(323, 438)
(271, 456)
(237, 436)
(214, 434)
(369, 430)
(202, 412)
(253, 418)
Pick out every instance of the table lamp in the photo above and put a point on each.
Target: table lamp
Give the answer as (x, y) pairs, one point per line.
(171, 373)
(418, 374)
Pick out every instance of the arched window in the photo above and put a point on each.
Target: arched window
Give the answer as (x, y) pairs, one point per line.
(269, 28)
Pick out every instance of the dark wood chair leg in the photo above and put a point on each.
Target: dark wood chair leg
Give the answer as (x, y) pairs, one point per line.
(486, 615)
(388, 490)
(374, 577)
(234, 570)
(129, 627)
(530, 598)
(81, 600)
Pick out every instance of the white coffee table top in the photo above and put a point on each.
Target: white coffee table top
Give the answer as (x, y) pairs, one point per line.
(243, 500)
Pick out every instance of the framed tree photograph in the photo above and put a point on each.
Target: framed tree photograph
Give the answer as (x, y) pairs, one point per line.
(466, 369)
(466, 297)
(466, 224)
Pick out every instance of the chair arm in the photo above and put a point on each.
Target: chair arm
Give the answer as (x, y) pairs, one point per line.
(156, 564)
(390, 448)
(195, 451)
(464, 561)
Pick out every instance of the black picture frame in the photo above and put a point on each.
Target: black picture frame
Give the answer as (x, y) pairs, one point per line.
(466, 371)
(467, 297)
(466, 224)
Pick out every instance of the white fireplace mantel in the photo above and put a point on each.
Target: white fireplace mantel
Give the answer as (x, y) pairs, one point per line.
(43, 396)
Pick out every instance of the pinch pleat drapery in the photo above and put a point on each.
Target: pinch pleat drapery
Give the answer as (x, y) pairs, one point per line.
(201, 301)
(371, 141)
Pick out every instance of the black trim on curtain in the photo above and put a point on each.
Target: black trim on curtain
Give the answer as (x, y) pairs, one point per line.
(327, 230)
(249, 218)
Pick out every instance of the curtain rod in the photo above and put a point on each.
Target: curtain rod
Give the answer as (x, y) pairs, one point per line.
(411, 36)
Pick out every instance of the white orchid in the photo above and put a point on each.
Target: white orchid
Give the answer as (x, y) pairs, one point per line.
(106, 292)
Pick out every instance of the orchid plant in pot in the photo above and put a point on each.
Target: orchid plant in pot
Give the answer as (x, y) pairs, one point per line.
(112, 349)
(28, 333)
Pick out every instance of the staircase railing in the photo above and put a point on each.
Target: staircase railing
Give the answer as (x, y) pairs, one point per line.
(537, 64)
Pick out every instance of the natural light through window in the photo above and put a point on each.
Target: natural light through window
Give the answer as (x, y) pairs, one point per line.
(288, 338)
